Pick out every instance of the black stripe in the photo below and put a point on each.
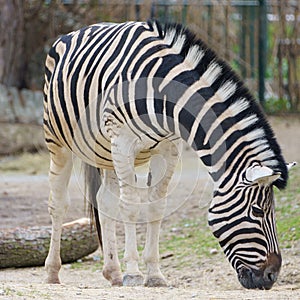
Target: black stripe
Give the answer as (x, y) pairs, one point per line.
(93, 41)
(229, 217)
(48, 73)
(224, 229)
(51, 141)
(138, 51)
(83, 136)
(238, 166)
(252, 240)
(115, 52)
(56, 119)
(136, 35)
(233, 197)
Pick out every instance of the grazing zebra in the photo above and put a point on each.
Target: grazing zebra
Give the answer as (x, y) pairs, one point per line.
(115, 95)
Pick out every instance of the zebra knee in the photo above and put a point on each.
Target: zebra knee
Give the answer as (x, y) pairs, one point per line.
(129, 211)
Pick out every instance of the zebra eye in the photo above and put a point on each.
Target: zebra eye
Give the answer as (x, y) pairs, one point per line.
(257, 211)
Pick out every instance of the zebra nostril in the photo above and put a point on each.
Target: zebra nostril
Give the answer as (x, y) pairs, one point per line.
(271, 276)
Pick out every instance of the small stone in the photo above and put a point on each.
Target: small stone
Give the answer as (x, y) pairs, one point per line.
(175, 229)
(213, 251)
(2, 292)
(167, 255)
(96, 258)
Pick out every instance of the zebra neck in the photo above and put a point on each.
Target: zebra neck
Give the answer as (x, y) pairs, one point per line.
(226, 142)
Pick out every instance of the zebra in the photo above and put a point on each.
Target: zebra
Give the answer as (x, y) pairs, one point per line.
(117, 94)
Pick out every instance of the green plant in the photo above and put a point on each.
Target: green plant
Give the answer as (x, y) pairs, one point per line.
(276, 105)
(288, 211)
(189, 238)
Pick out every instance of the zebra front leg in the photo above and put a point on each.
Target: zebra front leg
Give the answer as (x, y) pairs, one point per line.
(154, 276)
(59, 175)
(132, 276)
(108, 203)
(156, 209)
(123, 149)
(129, 213)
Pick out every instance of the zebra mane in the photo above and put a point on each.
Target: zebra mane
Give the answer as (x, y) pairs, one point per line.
(193, 49)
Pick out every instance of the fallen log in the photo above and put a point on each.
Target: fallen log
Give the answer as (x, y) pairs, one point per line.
(28, 247)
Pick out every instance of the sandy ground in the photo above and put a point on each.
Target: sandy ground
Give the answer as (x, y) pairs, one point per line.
(23, 202)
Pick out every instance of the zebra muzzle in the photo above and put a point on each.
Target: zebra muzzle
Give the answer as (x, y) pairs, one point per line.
(263, 278)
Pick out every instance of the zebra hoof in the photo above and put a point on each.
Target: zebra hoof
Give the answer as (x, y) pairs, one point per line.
(156, 282)
(133, 280)
(117, 282)
(52, 280)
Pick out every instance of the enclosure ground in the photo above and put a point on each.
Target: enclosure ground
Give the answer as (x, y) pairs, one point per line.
(23, 202)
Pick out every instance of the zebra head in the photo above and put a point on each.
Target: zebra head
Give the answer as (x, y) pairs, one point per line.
(243, 219)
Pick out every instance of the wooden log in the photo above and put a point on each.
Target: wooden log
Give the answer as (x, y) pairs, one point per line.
(28, 247)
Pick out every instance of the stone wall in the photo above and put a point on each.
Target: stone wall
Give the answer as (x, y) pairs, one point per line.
(21, 119)
(20, 106)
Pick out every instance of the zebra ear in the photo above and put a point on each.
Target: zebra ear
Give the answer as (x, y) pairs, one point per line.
(291, 165)
(262, 175)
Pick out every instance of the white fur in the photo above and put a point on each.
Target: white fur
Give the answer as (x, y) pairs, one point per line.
(177, 39)
(178, 44)
(194, 56)
(169, 37)
(254, 173)
(291, 165)
(226, 90)
(212, 73)
(238, 106)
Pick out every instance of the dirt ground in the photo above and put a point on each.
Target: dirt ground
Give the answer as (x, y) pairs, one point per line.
(23, 202)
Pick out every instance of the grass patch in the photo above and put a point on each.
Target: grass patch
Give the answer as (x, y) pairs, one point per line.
(189, 239)
(7, 291)
(77, 265)
(86, 264)
(288, 211)
(26, 163)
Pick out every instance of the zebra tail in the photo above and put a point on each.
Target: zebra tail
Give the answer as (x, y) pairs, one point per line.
(92, 183)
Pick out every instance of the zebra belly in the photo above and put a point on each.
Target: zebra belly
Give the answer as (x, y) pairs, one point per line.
(97, 152)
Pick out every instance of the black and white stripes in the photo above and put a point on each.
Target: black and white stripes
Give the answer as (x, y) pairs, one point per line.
(89, 63)
(165, 83)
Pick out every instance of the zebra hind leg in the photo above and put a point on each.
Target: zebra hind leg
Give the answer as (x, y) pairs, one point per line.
(59, 175)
